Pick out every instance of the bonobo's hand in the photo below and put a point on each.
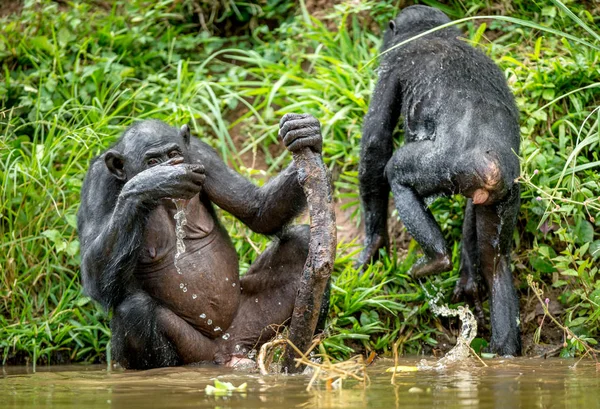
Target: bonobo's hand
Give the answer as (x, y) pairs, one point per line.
(171, 179)
(300, 131)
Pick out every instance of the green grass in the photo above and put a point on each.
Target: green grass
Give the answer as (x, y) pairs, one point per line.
(73, 77)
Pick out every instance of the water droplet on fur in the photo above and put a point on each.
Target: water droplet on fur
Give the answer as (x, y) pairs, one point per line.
(209, 322)
(181, 285)
(226, 279)
(256, 300)
(237, 347)
(233, 285)
(194, 296)
(203, 315)
(226, 336)
(217, 329)
(185, 289)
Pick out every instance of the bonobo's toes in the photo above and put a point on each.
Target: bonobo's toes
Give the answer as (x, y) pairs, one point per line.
(458, 294)
(426, 266)
(371, 252)
(240, 362)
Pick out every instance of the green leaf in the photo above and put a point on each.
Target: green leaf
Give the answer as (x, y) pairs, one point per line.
(577, 322)
(53, 234)
(43, 43)
(595, 249)
(478, 344)
(584, 232)
(570, 272)
(542, 265)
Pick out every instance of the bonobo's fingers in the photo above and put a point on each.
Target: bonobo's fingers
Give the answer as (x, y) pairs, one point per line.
(178, 181)
(300, 131)
(197, 173)
(173, 161)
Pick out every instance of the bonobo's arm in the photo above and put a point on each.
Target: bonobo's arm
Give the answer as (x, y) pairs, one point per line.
(375, 151)
(112, 218)
(264, 209)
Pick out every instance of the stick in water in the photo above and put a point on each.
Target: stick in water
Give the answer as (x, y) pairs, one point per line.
(314, 179)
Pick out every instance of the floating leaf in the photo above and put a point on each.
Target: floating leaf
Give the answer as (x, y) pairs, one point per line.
(401, 368)
(224, 388)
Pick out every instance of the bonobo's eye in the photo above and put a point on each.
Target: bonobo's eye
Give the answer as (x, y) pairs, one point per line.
(152, 162)
(174, 153)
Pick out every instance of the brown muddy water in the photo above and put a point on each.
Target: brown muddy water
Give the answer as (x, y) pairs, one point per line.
(506, 383)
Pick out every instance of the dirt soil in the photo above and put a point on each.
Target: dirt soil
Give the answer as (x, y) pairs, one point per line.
(8, 7)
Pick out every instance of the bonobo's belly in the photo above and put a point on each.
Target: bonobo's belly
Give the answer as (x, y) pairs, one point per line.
(202, 284)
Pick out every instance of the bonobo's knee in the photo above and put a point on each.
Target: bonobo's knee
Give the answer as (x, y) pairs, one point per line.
(137, 341)
(295, 239)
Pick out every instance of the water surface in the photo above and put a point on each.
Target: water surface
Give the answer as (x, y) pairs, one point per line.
(506, 383)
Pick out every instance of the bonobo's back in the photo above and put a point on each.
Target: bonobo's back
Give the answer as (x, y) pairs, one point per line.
(442, 72)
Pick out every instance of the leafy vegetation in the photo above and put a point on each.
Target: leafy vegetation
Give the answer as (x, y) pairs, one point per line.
(74, 74)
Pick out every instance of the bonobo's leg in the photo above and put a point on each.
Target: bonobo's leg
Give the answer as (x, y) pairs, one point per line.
(417, 170)
(470, 286)
(376, 148)
(146, 335)
(495, 226)
(268, 294)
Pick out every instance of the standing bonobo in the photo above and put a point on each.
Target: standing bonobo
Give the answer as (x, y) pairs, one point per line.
(461, 135)
(169, 311)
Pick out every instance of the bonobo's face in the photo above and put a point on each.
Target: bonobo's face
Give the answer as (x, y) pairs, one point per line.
(147, 144)
(411, 21)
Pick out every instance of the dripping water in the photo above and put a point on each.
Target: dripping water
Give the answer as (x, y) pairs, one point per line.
(180, 223)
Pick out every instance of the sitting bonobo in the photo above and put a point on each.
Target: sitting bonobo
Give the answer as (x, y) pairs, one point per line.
(461, 133)
(170, 308)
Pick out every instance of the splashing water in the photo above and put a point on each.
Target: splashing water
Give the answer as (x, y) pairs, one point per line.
(468, 331)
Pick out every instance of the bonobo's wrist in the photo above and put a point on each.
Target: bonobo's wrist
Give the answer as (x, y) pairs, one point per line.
(131, 196)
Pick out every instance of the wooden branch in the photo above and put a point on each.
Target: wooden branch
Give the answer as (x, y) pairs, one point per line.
(314, 178)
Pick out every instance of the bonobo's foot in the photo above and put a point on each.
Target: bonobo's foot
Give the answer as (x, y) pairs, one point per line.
(371, 251)
(426, 266)
(240, 362)
(469, 290)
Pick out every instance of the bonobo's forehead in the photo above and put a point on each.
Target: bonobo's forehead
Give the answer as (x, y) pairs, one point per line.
(147, 134)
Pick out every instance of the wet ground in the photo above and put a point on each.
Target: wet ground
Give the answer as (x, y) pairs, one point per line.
(506, 383)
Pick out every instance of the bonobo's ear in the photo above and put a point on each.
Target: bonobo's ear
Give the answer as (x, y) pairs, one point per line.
(185, 134)
(115, 164)
(392, 26)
